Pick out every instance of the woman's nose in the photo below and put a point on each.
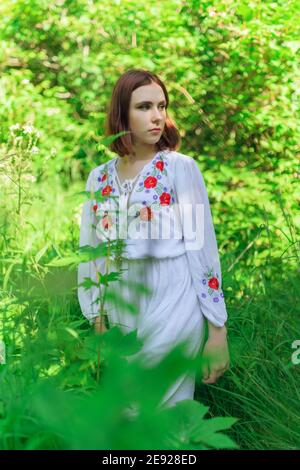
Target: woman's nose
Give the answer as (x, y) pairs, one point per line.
(156, 115)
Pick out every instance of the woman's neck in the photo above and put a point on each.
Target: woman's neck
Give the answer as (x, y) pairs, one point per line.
(141, 154)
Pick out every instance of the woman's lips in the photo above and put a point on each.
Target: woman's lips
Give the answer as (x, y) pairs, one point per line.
(155, 131)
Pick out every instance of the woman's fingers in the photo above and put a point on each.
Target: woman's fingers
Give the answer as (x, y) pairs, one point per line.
(214, 375)
(211, 379)
(205, 372)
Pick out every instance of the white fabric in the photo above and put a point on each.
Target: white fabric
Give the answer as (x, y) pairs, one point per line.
(178, 176)
(168, 315)
(177, 270)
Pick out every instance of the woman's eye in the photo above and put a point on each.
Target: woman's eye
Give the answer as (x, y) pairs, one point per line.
(147, 106)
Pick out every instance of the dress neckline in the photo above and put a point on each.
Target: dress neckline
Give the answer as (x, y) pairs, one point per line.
(128, 183)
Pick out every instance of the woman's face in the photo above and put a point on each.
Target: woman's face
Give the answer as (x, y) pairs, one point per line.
(147, 111)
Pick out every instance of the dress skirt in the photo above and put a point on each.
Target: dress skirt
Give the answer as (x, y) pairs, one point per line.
(168, 315)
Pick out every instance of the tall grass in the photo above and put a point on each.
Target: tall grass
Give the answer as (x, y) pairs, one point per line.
(52, 393)
(262, 387)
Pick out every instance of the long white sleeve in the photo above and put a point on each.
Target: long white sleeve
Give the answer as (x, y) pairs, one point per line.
(88, 297)
(200, 239)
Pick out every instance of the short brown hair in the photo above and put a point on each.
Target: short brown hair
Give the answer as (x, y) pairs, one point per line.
(117, 116)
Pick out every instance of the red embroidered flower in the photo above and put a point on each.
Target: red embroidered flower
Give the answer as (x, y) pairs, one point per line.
(150, 182)
(146, 213)
(160, 165)
(106, 222)
(103, 177)
(95, 207)
(106, 190)
(165, 199)
(213, 283)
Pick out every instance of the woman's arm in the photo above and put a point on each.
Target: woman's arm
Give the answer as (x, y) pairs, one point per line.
(215, 354)
(200, 240)
(202, 253)
(88, 294)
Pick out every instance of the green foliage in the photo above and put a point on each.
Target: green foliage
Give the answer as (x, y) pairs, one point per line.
(58, 404)
(232, 73)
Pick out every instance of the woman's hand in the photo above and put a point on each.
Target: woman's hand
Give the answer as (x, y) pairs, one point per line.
(99, 325)
(215, 354)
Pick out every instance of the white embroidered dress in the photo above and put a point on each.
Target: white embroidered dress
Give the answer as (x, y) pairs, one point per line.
(177, 260)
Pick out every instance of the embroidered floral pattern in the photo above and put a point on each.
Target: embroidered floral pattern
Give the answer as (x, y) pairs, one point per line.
(211, 281)
(105, 179)
(106, 221)
(106, 218)
(161, 195)
(146, 213)
(102, 178)
(106, 225)
(151, 182)
(106, 190)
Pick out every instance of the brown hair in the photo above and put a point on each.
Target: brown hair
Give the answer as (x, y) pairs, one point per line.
(117, 116)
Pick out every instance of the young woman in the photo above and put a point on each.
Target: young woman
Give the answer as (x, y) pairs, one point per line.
(156, 186)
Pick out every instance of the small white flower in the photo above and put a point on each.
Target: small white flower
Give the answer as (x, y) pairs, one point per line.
(77, 214)
(14, 127)
(28, 129)
(52, 111)
(29, 177)
(35, 149)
